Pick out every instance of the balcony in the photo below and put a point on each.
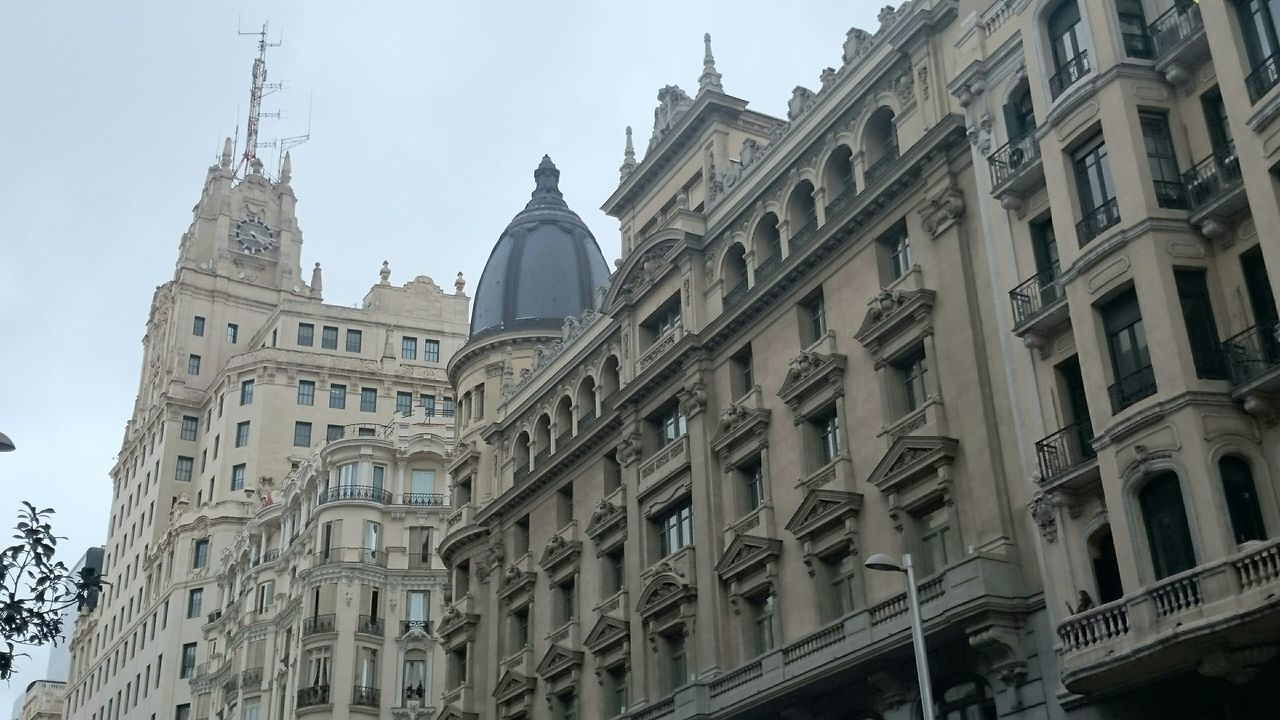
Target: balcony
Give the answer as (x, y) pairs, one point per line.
(1097, 220)
(805, 234)
(365, 556)
(1214, 186)
(1162, 628)
(365, 696)
(769, 266)
(422, 499)
(317, 624)
(1253, 357)
(881, 165)
(1061, 455)
(1131, 388)
(734, 296)
(1069, 74)
(1039, 303)
(365, 493)
(313, 696)
(407, 625)
(660, 346)
(1263, 77)
(251, 678)
(371, 625)
(214, 616)
(1016, 169)
(663, 463)
(1179, 40)
(360, 430)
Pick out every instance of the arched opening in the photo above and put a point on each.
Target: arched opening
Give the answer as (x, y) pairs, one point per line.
(766, 242)
(1168, 534)
(542, 437)
(1068, 47)
(734, 270)
(1106, 570)
(837, 175)
(564, 419)
(965, 698)
(609, 378)
(1242, 499)
(521, 451)
(802, 216)
(879, 143)
(586, 400)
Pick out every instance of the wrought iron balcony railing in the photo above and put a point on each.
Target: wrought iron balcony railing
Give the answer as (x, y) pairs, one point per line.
(367, 493)
(1251, 353)
(1171, 194)
(1065, 450)
(1212, 178)
(1177, 24)
(883, 163)
(371, 625)
(738, 292)
(312, 696)
(1263, 77)
(407, 625)
(1035, 294)
(422, 499)
(319, 624)
(251, 677)
(366, 696)
(1097, 220)
(1069, 73)
(1131, 388)
(1012, 157)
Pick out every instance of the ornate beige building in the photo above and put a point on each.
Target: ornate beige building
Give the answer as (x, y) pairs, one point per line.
(277, 485)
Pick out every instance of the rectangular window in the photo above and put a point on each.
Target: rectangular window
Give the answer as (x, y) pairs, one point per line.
(1215, 118)
(762, 608)
(368, 400)
(193, 365)
(217, 441)
(190, 426)
(233, 333)
(306, 334)
(195, 599)
(751, 480)
(1202, 330)
(813, 318)
(446, 407)
(431, 350)
(1133, 29)
(180, 712)
(1096, 191)
(197, 326)
(616, 693)
(519, 629)
(242, 433)
(306, 392)
(895, 253)
(409, 348)
(404, 403)
(329, 338)
(567, 601)
(1130, 357)
(675, 529)
(668, 425)
(911, 371)
(1262, 43)
(933, 543)
(237, 476)
(612, 473)
(353, 340)
(677, 672)
(1170, 192)
(302, 434)
(613, 571)
(338, 397)
(333, 432)
(661, 321)
(246, 392)
(200, 554)
(824, 433)
(742, 374)
(183, 471)
(835, 580)
(428, 404)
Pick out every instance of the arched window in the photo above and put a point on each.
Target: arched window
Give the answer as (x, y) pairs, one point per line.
(521, 451)
(586, 400)
(1242, 499)
(734, 270)
(837, 174)
(802, 217)
(542, 436)
(966, 698)
(564, 417)
(767, 243)
(609, 379)
(1106, 571)
(1168, 534)
(1019, 113)
(1068, 45)
(879, 143)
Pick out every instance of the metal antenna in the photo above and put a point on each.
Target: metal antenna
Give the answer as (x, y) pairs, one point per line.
(283, 145)
(259, 88)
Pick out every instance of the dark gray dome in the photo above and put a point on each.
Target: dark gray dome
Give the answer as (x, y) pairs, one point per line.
(546, 266)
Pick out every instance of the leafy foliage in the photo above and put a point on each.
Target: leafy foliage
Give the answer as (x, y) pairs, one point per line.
(35, 589)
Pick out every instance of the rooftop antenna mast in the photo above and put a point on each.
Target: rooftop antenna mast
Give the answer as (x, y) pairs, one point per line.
(259, 88)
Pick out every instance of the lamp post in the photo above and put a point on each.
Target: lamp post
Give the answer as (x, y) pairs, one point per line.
(880, 561)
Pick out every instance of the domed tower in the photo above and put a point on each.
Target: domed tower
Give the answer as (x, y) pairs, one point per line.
(545, 267)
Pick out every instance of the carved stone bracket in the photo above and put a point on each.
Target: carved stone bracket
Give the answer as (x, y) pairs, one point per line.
(942, 210)
(1043, 508)
(1001, 645)
(1237, 666)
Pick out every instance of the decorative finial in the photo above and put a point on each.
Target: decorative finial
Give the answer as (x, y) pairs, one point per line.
(628, 158)
(546, 183)
(286, 169)
(385, 273)
(459, 284)
(317, 283)
(255, 166)
(225, 160)
(710, 79)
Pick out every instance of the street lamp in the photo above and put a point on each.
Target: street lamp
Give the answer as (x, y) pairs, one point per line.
(883, 562)
(6, 445)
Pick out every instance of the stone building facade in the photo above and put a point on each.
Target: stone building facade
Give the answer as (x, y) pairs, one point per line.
(255, 398)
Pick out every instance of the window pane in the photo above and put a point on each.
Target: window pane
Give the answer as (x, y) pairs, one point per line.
(306, 334)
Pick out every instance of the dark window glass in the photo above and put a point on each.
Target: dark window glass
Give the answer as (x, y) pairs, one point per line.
(197, 326)
(368, 400)
(329, 338)
(404, 403)
(1133, 28)
(675, 529)
(1127, 344)
(190, 426)
(1093, 176)
(306, 334)
(302, 434)
(354, 338)
(431, 350)
(1168, 535)
(1242, 499)
(409, 348)
(338, 397)
(813, 312)
(1202, 330)
(246, 392)
(306, 392)
(1162, 160)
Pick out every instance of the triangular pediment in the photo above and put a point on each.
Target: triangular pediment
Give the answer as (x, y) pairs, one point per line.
(604, 518)
(911, 457)
(746, 552)
(891, 311)
(512, 684)
(607, 632)
(738, 423)
(451, 712)
(821, 508)
(662, 592)
(808, 372)
(557, 661)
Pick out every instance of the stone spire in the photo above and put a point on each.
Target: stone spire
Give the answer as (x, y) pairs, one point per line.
(286, 169)
(710, 79)
(317, 283)
(225, 160)
(628, 158)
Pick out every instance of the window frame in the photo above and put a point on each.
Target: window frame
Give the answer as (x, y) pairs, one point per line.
(309, 335)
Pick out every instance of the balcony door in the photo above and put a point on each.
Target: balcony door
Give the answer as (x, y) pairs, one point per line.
(1258, 26)
(1075, 403)
(1127, 343)
(1258, 285)
(1106, 570)
(1068, 39)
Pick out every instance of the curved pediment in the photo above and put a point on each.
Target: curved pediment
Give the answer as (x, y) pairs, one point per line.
(644, 267)
(663, 592)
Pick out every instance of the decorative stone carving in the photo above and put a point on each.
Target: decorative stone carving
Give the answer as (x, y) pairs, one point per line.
(1237, 666)
(747, 154)
(894, 689)
(1261, 406)
(1002, 646)
(802, 365)
(979, 135)
(856, 42)
(886, 16)
(828, 78)
(733, 416)
(802, 100)
(693, 398)
(1044, 511)
(922, 79)
(672, 104)
(904, 87)
(629, 449)
(942, 210)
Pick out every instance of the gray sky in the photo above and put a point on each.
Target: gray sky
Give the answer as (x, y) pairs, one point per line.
(428, 121)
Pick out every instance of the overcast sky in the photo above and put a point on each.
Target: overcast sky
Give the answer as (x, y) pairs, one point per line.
(428, 120)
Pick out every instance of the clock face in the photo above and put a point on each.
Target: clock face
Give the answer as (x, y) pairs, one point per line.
(254, 236)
